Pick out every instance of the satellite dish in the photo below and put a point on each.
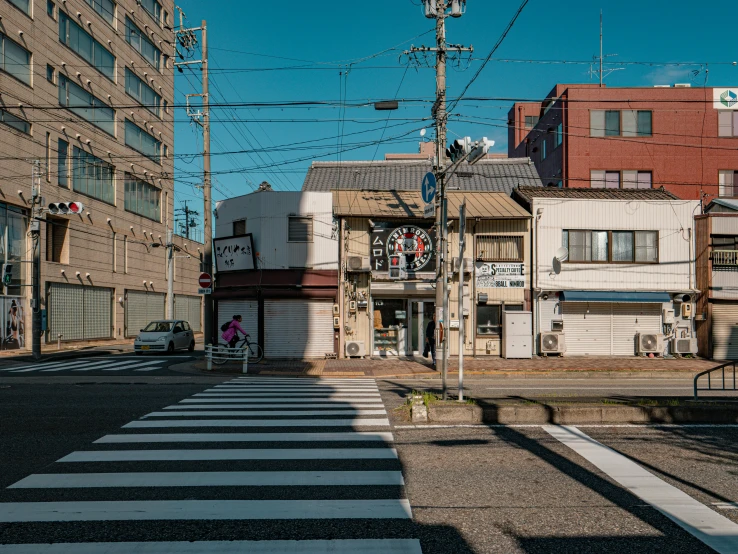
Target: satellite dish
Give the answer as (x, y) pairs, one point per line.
(562, 254)
(422, 132)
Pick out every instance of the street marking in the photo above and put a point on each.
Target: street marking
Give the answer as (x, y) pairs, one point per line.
(60, 367)
(270, 401)
(358, 405)
(726, 505)
(108, 365)
(347, 436)
(145, 510)
(231, 454)
(687, 386)
(716, 531)
(233, 388)
(126, 365)
(259, 423)
(344, 546)
(303, 380)
(372, 395)
(237, 413)
(211, 479)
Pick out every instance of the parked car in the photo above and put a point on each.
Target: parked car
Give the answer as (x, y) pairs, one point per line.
(165, 336)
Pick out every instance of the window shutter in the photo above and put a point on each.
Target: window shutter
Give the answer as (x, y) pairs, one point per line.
(239, 228)
(630, 179)
(630, 123)
(597, 123)
(597, 179)
(300, 229)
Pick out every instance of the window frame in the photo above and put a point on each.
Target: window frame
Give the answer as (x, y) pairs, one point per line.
(558, 135)
(722, 173)
(67, 82)
(114, 18)
(4, 37)
(498, 325)
(609, 133)
(4, 113)
(28, 13)
(130, 178)
(140, 150)
(531, 118)
(479, 243)
(153, 16)
(99, 163)
(141, 83)
(129, 24)
(621, 178)
(51, 9)
(311, 238)
(233, 227)
(59, 159)
(64, 17)
(566, 241)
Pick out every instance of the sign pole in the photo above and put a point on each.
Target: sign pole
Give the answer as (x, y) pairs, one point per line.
(462, 244)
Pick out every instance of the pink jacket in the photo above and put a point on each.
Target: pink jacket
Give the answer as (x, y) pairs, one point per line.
(231, 331)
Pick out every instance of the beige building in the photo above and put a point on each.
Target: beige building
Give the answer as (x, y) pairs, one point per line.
(86, 88)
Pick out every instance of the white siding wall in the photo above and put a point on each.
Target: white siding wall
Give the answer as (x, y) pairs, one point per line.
(266, 216)
(667, 217)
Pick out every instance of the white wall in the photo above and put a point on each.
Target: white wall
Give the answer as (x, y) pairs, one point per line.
(266, 216)
(672, 218)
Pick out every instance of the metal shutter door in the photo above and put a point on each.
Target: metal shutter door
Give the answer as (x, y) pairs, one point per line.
(195, 316)
(141, 308)
(587, 334)
(97, 313)
(156, 306)
(629, 319)
(181, 307)
(298, 328)
(66, 312)
(188, 308)
(725, 331)
(247, 309)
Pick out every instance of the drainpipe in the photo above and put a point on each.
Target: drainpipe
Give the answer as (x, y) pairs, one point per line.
(473, 291)
(691, 251)
(341, 289)
(534, 284)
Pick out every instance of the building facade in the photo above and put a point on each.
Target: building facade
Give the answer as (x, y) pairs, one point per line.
(583, 136)
(86, 90)
(287, 292)
(612, 271)
(717, 278)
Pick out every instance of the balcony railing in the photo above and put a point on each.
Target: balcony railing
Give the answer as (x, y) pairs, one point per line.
(725, 258)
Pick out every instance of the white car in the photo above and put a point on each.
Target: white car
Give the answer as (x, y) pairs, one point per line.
(166, 335)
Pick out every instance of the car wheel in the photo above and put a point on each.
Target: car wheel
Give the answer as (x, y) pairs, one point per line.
(170, 348)
(191, 348)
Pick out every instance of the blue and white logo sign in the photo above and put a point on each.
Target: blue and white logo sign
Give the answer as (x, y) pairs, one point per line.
(725, 98)
(428, 188)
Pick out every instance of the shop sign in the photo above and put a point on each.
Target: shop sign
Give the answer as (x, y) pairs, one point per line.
(234, 254)
(492, 275)
(725, 98)
(413, 240)
(12, 323)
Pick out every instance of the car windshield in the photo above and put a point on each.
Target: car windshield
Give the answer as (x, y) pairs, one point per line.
(158, 327)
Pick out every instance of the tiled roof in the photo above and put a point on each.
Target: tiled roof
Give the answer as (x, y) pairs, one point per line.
(485, 176)
(527, 194)
(406, 204)
(729, 203)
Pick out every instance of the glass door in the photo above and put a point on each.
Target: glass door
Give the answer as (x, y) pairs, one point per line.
(422, 314)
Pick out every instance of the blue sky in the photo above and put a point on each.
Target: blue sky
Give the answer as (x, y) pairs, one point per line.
(319, 41)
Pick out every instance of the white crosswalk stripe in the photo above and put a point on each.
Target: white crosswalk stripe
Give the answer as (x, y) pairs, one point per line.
(301, 450)
(90, 364)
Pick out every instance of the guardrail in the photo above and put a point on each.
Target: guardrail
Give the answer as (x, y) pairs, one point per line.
(725, 257)
(709, 372)
(220, 354)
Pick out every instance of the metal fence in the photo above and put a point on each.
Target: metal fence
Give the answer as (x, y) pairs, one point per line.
(721, 384)
(219, 354)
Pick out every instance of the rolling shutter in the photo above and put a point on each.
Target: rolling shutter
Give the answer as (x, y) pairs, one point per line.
(247, 309)
(725, 331)
(587, 334)
(629, 319)
(97, 313)
(79, 312)
(189, 309)
(298, 328)
(141, 308)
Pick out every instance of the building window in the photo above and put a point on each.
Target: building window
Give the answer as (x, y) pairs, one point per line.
(142, 198)
(728, 183)
(142, 142)
(23, 5)
(543, 148)
(48, 158)
(14, 246)
(615, 123)
(15, 122)
(239, 227)
(558, 135)
(63, 163)
(166, 106)
(612, 246)
(50, 74)
(493, 248)
(531, 120)
(138, 89)
(105, 8)
(153, 8)
(50, 8)
(57, 240)
(85, 105)
(136, 38)
(630, 179)
(300, 229)
(604, 179)
(727, 123)
(612, 123)
(489, 319)
(125, 253)
(15, 60)
(92, 176)
(86, 47)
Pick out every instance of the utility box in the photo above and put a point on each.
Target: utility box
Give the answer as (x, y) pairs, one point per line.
(517, 335)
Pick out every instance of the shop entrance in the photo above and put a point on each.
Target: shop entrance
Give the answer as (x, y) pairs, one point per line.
(421, 312)
(399, 326)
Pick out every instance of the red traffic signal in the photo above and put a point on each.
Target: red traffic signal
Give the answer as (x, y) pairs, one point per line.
(66, 208)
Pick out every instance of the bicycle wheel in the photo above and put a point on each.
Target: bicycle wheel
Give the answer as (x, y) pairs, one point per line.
(221, 354)
(255, 353)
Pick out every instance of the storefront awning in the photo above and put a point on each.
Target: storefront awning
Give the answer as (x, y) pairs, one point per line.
(611, 296)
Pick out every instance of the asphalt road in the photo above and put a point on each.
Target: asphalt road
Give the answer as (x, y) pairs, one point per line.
(142, 460)
(96, 365)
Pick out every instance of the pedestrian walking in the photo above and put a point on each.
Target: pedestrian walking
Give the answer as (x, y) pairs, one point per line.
(430, 340)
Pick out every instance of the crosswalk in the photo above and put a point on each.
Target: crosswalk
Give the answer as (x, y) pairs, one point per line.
(258, 465)
(106, 364)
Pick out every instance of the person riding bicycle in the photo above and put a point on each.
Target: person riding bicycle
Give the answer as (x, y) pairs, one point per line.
(230, 335)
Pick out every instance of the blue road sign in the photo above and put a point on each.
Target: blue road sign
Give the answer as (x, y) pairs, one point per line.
(428, 188)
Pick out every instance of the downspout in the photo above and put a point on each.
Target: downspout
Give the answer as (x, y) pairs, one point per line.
(534, 281)
(341, 288)
(473, 291)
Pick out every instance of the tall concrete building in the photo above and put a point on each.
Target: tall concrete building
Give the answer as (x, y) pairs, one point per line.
(86, 92)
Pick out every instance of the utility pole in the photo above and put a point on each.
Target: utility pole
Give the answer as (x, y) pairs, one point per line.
(437, 9)
(462, 329)
(189, 220)
(170, 274)
(36, 212)
(601, 49)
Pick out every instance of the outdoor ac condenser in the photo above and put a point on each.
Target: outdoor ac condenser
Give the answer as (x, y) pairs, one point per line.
(359, 264)
(684, 346)
(553, 343)
(650, 343)
(355, 349)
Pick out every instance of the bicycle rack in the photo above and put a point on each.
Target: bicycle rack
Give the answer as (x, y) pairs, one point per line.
(215, 351)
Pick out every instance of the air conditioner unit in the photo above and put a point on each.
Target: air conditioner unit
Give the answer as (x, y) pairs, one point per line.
(553, 343)
(355, 348)
(650, 343)
(359, 264)
(684, 346)
(468, 265)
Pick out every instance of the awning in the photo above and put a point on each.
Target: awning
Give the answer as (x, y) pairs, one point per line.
(611, 296)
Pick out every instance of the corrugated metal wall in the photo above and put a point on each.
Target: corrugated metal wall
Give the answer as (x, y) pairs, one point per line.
(298, 328)
(79, 312)
(725, 331)
(189, 308)
(141, 309)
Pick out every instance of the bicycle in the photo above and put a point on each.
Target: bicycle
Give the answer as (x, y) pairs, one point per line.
(224, 352)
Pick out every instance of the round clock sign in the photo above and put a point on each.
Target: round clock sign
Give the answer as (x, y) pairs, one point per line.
(414, 242)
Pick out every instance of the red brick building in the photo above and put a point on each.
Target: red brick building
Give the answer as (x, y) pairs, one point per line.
(684, 139)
